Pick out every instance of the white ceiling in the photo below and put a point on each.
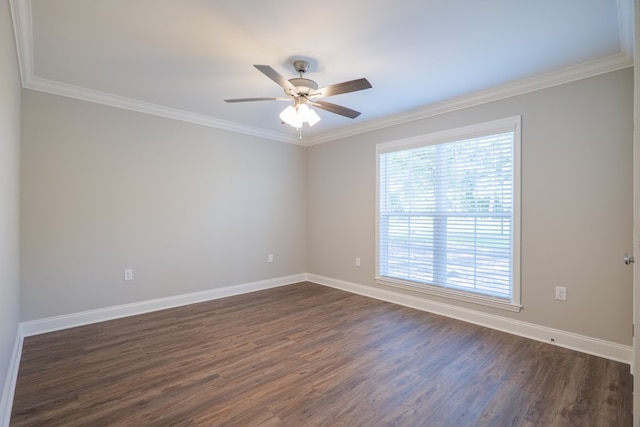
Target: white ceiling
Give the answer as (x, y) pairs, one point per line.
(181, 58)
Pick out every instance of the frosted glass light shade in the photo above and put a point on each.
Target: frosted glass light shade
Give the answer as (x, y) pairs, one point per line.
(296, 116)
(313, 117)
(290, 117)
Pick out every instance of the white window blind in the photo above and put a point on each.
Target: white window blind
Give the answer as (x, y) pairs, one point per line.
(446, 213)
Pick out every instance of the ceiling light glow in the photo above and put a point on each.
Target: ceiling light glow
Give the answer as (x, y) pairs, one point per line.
(299, 114)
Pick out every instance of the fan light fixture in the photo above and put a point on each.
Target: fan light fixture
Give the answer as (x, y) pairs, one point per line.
(298, 114)
(305, 92)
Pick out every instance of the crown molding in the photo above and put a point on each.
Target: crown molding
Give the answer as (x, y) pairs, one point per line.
(625, 24)
(84, 94)
(21, 17)
(22, 24)
(566, 75)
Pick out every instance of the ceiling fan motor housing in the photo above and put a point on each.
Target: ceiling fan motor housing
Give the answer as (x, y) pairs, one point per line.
(304, 86)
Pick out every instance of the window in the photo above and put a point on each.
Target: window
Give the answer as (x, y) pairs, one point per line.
(448, 215)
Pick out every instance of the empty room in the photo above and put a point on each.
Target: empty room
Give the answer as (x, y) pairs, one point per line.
(364, 213)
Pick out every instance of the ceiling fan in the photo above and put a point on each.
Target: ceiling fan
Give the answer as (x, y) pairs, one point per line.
(304, 92)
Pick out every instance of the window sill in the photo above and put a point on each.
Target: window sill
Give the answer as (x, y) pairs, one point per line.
(451, 294)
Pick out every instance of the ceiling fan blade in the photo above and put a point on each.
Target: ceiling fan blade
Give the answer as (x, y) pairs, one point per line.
(278, 78)
(336, 109)
(344, 87)
(256, 99)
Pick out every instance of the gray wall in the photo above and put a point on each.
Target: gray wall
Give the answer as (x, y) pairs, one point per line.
(9, 187)
(189, 208)
(577, 202)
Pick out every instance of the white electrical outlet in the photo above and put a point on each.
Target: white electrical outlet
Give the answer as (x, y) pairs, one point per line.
(128, 274)
(561, 293)
(270, 258)
(357, 262)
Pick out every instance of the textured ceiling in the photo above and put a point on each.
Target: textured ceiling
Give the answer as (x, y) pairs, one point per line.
(180, 59)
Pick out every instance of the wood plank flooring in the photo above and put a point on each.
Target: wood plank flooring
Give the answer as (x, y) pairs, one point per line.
(309, 355)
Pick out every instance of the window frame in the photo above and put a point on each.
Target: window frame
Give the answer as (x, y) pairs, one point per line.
(510, 124)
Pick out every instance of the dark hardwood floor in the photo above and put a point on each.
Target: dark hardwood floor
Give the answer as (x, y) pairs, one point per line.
(307, 355)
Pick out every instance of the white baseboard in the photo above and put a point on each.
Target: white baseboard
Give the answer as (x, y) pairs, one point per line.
(584, 344)
(40, 326)
(6, 403)
(50, 324)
